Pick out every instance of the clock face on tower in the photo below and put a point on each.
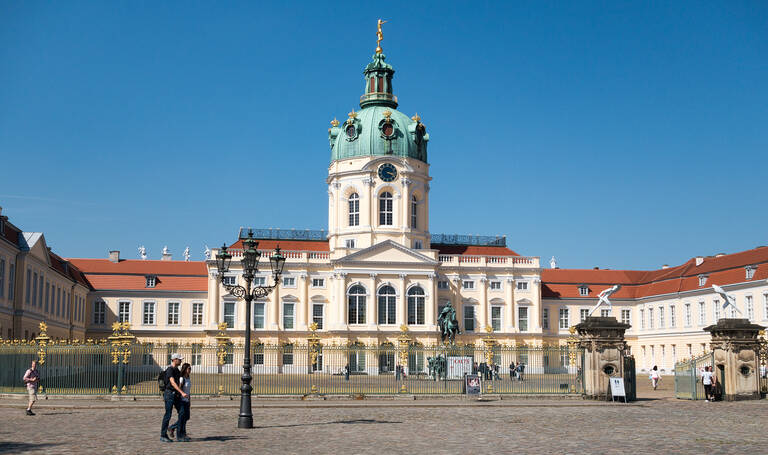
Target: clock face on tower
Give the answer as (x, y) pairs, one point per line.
(387, 172)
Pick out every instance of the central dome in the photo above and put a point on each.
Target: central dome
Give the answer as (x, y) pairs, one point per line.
(378, 128)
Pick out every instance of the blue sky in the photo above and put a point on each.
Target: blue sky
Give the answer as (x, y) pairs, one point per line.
(610, 134)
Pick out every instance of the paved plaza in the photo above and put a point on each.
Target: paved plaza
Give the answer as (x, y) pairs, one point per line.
(657, 424)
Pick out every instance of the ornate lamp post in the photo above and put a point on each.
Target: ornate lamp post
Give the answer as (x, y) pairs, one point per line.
(250, 263)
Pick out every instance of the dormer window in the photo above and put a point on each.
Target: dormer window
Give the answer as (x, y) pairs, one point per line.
(702, 280)
(583, 291)
(151, 281)
(750, 271)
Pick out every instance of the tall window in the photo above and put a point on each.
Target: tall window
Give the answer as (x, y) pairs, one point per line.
(356, 305)
(416, 306)
(702, 313)
(288, 354)
(2, 276)
(34, 289)
(229, 314)
(545, 318)
(29, 282)
(414, 212)
(522, 319)
(258, 354)
(149, 313)
(197, 314)
(469, 318)
(288, 315)
(496, 318)
(750, 272)
(626, 316)
(258, 315)
(386, 301)
(687, 315)
(765, 306)
(317, 315)
(750, 307)
(385, 209)
(642, 318)
(650, 318)
(197, 354)
(716, 309)
(672, 322)
(661, 317)
(173, 313)
(354, 209)
(47, 294)
(124, 312)
(99, 311)
(583, 313)
(563, 318)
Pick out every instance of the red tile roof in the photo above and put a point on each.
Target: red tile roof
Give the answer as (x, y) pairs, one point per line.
(473, 250)
(138, 282)
(726, 269)
(135, 266)
(131, 274)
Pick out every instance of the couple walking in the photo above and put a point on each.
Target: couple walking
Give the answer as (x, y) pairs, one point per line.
(176, 388)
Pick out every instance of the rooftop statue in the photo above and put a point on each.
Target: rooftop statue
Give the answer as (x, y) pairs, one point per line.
(602, 297)
(143, 253)
(379, 37)
(165, 250)
(207, 253)
(186, 254)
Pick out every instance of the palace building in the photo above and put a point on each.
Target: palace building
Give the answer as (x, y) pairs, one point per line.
(377, 268)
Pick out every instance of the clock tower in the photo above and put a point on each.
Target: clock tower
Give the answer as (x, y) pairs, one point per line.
(378, 179)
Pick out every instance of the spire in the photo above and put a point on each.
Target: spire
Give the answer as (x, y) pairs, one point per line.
(378, 78)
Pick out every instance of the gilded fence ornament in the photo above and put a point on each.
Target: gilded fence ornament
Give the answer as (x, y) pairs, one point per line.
(573, 344)
(42, 339)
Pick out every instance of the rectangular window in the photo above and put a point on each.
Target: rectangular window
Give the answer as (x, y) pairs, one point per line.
(672, 316)
(317, 315)
(443, 284)
(2, 277)
(259, 281)
(258, 354)
(124, 312)
(151, 281)
(495, 285)
(258, 315)
(626, 316)
(496, 318)
(545, 318)
(197, 314)
(765, 306)
(716, 309)
(229, 314)
(750, 272)
(354, 210)
(349, 243)
(522, 285)
(650, 318)
(702, 280)
(197, 354)
(702, 313)
(563, 318)
(288, 315)
(583, 291)
(149, 313)
(583, 314)
(469, 318)
(58, 301)
(385, 209)
(173, 313)
(318, 282)
(99, 312)
(522, 319)
(417, 245)
(687, 315)
(604, 313)
(47, 294)
(11, 281)
(750, 307)
(288, 354)
(661, 317)
(34, 291)
(414, 214)
(29, 281)
(229, 280)
(642, 319)
(468, 284)
(289, 282)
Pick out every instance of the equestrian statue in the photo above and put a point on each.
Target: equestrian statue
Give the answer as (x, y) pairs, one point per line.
(448, 324)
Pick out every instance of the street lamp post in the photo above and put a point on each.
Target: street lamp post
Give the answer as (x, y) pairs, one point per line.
(250, 263)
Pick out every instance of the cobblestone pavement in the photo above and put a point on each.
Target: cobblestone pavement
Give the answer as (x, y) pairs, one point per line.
(652, 425)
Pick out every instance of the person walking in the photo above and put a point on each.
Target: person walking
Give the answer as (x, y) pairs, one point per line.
(183, 417)
(520, 370)
(511, 370)
(707, 378)
(655, 377)
(172, 394)
(32, 381)
(346, 372)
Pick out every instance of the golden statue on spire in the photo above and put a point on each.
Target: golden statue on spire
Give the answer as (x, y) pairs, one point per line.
(379, 37)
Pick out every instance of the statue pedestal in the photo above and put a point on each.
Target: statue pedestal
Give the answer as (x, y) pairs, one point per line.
(604, 352)
(735, 347)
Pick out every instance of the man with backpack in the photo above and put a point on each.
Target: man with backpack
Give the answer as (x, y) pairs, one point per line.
(172, 394)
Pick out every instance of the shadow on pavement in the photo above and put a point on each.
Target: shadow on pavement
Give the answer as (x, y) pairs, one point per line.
(217, 438)
(22, 446)
(335, 422)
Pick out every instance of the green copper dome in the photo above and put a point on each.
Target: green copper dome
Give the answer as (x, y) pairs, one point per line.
(378, 128)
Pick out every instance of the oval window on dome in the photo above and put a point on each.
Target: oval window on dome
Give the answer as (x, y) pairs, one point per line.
(387, 129)
(351, 131)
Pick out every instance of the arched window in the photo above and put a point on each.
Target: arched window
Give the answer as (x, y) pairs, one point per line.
(385, 209)
(354, 210)
(416, 306)
(387, 305)
(356, 301)
(414, 213)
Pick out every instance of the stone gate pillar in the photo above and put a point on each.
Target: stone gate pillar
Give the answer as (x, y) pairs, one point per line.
(604, 352)
(736, 351)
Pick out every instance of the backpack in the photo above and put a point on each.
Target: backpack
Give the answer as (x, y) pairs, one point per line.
(161, 381)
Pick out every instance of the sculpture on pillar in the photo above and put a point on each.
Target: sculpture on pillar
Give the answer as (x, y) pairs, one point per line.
(602, 297)
(186, 254)
(553, 263)
(727, 299)
(448, 324)
(207, 253)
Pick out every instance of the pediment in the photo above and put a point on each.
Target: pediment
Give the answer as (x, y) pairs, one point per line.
(387, 252)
